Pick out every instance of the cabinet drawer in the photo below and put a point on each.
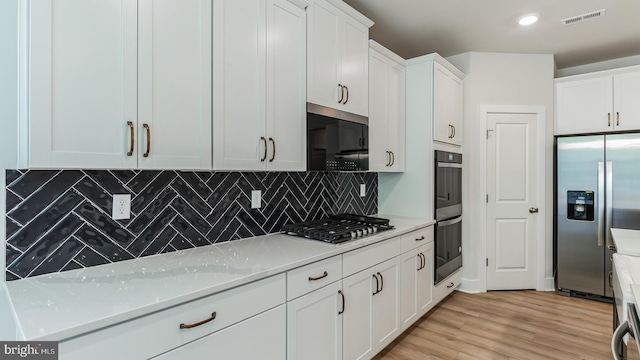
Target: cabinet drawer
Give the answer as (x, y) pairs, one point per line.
(159, 332)
(447, 286)
(358, 260)
(305, 279)
(416, 238)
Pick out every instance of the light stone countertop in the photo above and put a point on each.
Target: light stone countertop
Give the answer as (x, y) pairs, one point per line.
(63, 305)
(627, 241)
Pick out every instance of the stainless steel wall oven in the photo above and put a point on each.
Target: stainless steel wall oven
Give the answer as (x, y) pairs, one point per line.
(448, 213)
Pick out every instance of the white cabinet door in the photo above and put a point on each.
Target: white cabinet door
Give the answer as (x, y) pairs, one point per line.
(358, 315)
(424, 284)
(626, 101)
(239, 69)
(259, 100)
(411, 264)
(386, 113)
(174, 84)
(338, 53)
(447, 106)
(584, 106)
(260, 337)
(82, 83)
(386, 304)
(354, 68)
(314, 324)
(323, 50)
(286, 86)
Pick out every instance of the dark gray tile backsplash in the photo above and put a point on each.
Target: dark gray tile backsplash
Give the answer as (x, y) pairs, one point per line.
(61, 220)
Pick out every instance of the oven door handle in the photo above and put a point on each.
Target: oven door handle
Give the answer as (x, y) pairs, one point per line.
(450, 222)
(449, 165)
(617, 338)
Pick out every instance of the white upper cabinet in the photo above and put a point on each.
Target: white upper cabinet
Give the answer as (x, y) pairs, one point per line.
(599, 102)
(447, 105)
(102, 69)
(259, 93)
(386, 110)
(338, 74)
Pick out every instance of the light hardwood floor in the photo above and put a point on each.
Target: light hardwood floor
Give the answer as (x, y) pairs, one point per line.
(497, 325)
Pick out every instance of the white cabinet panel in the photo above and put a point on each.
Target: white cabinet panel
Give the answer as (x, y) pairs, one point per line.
(174, 84)
(447, 106)
(386, 305)
(599, 102)
(260, 337)
(338, 74)
(314, 324)
(259, 94)
(386, 112)
(358, 315)
(82, 83)
(101, 70)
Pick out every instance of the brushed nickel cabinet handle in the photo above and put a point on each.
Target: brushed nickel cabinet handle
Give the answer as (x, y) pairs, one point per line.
(341, 93)
(189, 326)
(608, 119)
(343, 302)
(132, 141)
(324, 275)
(377, 284)
(273, 144)
(264, 156)
(617, 118)
(148, 130)
(347, 99)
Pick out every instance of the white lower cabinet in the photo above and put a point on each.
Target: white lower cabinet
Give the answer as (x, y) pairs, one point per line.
(266, 333)
(215, 315)
(447, 286)
(372, 315)
(314, 324)
(417, 284)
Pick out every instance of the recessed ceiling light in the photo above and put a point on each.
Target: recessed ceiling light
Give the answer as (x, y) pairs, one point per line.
(528, 19)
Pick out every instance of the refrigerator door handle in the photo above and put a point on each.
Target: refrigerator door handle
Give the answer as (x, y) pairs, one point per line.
(600, 205)
(609, 202)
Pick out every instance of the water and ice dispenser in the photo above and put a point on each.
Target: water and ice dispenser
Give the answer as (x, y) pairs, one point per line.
(580, 205)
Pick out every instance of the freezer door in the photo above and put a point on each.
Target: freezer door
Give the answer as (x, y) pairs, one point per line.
(623, 185)
(580, 243)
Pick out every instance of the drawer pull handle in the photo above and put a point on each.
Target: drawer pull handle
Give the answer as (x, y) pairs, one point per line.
(132, 139)
(343, 302)
(185, 326)
(450, 286)
(420, 238)
(324, 275)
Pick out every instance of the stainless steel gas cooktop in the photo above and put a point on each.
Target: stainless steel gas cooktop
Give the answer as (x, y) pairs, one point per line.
(338, 228)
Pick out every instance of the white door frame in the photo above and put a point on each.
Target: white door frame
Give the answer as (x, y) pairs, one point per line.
(484, 111)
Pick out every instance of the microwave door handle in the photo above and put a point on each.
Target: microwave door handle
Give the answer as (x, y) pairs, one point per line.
(601, 203)
(449, 222)
(617, 338)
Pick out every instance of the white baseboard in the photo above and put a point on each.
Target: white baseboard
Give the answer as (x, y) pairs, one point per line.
(549, 284)
(471, 286)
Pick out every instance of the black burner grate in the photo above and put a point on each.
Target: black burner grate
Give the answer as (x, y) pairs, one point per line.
(338, 228)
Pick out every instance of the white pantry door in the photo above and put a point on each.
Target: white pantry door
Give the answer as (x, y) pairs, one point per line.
(512, 208)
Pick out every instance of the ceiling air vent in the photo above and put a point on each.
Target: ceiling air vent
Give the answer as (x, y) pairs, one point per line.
(584, 17)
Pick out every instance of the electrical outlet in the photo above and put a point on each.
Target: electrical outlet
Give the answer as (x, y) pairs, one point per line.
(363, 190)
(121, 207)
(256, 199)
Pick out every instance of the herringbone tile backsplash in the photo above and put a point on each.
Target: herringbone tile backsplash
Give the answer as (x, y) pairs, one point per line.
(61, 220)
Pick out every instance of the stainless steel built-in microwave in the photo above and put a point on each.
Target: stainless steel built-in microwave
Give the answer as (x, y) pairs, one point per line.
(336, 140)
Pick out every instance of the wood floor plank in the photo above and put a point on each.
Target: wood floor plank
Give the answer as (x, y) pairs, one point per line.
(508, 325)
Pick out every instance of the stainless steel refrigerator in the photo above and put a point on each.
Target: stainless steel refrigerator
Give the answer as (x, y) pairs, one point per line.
(597, 188)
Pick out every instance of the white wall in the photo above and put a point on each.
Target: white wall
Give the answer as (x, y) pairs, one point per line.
(501, 79)
(599, 66)
(8, 133)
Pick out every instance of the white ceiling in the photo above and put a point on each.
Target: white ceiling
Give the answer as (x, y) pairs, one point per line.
(449, 27)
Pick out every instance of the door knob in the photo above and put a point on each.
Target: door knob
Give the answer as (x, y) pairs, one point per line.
(533, 210)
